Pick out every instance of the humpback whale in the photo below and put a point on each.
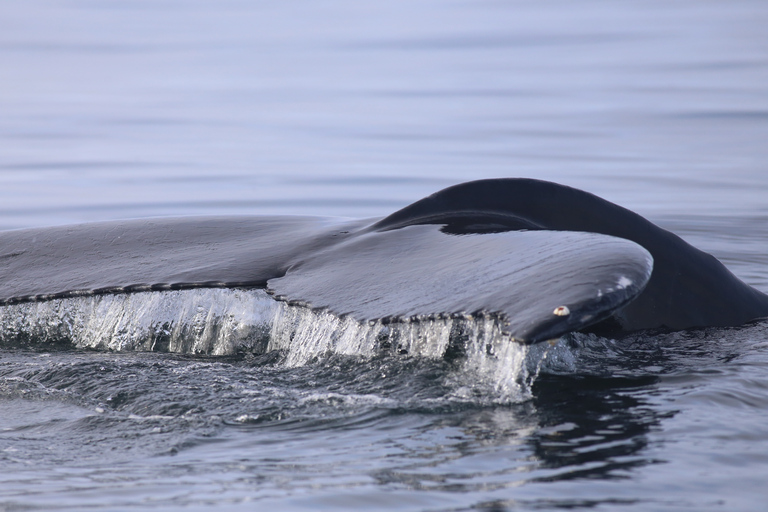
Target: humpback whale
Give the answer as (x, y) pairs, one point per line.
(543, 258)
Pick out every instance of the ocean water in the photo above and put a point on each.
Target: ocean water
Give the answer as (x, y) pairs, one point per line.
(223, 399)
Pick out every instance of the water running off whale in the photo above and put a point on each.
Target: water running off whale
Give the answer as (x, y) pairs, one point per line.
(531, 259)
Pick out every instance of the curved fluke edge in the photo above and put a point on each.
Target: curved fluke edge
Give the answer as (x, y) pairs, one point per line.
(541, 283)
(543, 258)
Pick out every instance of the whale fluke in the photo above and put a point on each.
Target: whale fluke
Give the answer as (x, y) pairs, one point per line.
(543, 258)
(542, 284)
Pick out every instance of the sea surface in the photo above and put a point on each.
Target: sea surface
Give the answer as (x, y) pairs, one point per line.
(136, 108)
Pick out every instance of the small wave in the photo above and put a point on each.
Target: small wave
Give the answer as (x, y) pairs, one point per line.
(229, 321)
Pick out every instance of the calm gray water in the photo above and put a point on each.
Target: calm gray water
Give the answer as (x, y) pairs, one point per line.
(118, 109)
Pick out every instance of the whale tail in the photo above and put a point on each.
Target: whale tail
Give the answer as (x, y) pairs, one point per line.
(542, 258)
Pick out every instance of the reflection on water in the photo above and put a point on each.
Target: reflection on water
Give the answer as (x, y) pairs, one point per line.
(341, 428)
(593, 427)
(306, 424)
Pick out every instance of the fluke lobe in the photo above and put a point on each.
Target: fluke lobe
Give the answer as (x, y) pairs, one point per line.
(545, 259)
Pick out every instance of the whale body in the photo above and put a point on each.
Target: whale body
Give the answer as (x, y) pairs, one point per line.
(543, 258)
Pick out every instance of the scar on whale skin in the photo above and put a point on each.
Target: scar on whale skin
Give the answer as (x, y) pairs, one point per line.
(544, 258)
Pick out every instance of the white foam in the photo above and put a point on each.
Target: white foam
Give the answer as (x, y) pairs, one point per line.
(226, 321)
(201, 321)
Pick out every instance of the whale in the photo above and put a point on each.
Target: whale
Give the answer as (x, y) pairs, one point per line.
(542, 259)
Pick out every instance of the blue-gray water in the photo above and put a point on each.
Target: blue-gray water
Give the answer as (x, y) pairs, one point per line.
(143, 108)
